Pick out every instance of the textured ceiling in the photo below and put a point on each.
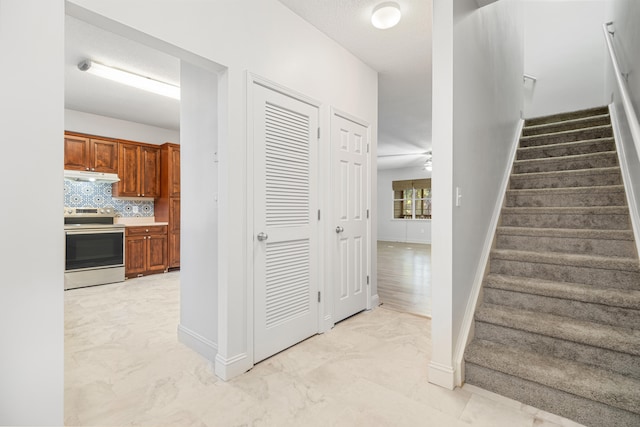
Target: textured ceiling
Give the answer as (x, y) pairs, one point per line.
(402, 57)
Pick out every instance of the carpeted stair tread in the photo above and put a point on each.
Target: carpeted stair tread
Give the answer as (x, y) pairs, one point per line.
(602, 159)
(576, 260)
(567, 178)
(578, 123)
(570, 115)
(571, 148)
(610, 195)
(624, 340)
(616, 243)
(567, 375)
(576, 135)
(614, 297)
(599, 217)
(621, 363)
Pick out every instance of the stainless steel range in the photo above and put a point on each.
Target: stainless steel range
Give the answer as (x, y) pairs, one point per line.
(94, 247)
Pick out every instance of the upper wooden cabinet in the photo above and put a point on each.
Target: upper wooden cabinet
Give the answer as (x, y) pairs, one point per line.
(170, 175)
(90, 154)
(139, 171)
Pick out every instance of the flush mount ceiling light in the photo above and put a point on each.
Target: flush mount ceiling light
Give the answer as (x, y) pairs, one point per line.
(386, 15)
(130, 79)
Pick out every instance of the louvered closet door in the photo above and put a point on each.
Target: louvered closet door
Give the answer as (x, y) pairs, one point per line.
(285, 254)
(350, 177)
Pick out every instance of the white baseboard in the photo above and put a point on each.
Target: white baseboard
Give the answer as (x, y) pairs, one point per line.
(375, 302)
(441, 375)
(626, 176)
(396, 240)
(206, 348)
(466, 330)
(227, 369)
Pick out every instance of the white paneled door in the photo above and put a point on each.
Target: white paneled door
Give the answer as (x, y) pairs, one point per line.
(285, 197)
(350, 193)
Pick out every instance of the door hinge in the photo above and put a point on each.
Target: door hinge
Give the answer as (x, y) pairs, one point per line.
(318, 214)
(367, 147)
(367, 280)
(318, 133)
(319, 296)
(367, 213)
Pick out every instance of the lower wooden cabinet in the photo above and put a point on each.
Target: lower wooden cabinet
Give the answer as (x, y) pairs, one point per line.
(145, 250)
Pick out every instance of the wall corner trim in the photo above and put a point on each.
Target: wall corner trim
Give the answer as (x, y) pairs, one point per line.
(442, 375)
(206, 348)
(466, 330)
(232, 367)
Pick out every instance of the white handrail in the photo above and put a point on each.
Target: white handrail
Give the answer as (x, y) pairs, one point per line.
(632, 118)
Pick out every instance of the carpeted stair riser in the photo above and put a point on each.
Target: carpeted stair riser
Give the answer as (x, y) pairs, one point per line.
(618, 243)
(556, 164)
(563, 179)
(614, 338)
(588, 218)
(621, 363)
(623, 298)
(567, 197)
(566, 149)
(566, 375)
(567, 273)
(562, 117)
(581, 123)
(582, 410)
(572, 136)
(615, 316)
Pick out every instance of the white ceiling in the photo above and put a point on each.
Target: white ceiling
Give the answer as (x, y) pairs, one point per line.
(401, 55)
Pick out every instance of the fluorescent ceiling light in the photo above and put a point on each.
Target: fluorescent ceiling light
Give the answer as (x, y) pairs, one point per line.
(130, 79)
(386, 15)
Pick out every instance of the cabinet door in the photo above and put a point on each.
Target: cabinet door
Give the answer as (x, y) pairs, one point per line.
(174, 179)
(128, 171)
(174, 249)
(157, 252)
(76, 152)
(174, 214)
(150, 172)
(135, 255)
(104, 156)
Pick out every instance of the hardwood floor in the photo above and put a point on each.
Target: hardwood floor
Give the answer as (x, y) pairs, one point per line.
(404, 277)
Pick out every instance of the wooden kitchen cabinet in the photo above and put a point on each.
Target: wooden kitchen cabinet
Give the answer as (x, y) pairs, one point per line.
(145, 250)
(90, 154)
(167, 206)
(139, 171)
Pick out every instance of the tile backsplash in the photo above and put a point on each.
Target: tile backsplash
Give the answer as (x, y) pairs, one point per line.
(98, 195)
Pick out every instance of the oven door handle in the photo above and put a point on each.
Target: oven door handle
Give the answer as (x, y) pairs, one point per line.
(77, 232)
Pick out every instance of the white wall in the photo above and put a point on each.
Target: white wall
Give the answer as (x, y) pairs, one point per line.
(32, 261)
(482, 73)
(565, 50)
(93, 124)
(265, 38)
(625, 15)
(199, 210)
(399, 230)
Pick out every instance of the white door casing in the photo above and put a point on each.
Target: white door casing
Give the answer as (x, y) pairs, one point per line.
(284, 220)
(350, 192)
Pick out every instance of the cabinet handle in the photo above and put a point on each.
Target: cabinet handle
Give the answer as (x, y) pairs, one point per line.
(87, 168)
(138, 194)
(93, 169)
(147, 230)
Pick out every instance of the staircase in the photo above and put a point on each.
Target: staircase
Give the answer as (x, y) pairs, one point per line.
(559, 323)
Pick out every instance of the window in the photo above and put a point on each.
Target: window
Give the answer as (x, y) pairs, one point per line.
(412, 199)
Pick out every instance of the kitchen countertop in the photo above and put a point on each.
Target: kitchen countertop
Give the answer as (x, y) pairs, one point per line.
(147, 221)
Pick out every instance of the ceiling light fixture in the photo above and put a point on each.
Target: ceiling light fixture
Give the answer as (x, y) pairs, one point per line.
(386, 15)
(429, 162)
(130, 79)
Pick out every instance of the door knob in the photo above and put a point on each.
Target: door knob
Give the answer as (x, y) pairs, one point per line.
(262, 236)
(339, 229)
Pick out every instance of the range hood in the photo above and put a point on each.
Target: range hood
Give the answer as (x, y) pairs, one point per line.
(90, 176)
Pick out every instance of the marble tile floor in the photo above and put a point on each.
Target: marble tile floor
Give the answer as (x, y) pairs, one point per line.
(124, 367)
